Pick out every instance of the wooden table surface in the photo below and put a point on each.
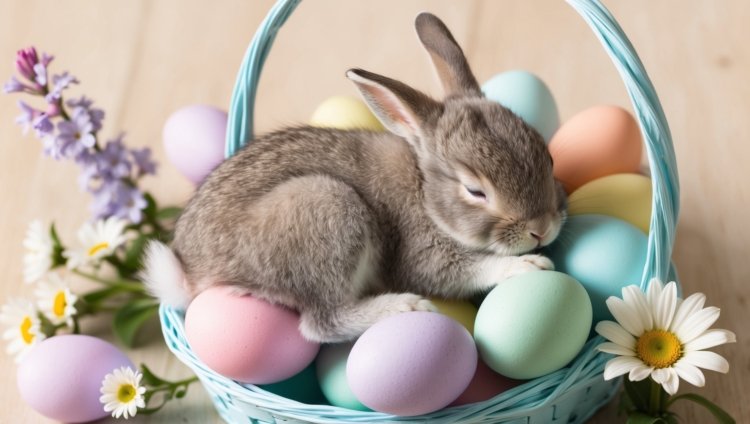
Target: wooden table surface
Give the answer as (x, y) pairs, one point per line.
(141, 60)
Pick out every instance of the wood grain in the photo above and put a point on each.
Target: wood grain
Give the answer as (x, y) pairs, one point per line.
(140, 60)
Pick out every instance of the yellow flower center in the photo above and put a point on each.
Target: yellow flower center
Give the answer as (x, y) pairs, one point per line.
(58, 307)
(26, 333)
(98, 247)
(126, 393)
(658, 348)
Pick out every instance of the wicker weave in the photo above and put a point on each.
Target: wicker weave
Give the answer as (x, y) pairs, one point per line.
(570, 395)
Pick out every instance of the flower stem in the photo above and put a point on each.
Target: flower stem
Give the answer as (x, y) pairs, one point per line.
(654, 405)
(125, 285)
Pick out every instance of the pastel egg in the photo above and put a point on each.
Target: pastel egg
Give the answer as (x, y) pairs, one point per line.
(194, 139)
(411, 363)
(61, 377)
(533, 324)
(605, 254)
(600, 141)
(331, 372)
(528, 97)
(302, 387)
(485, 385)
(345, 113)
(245, 338)
(623, 196)
(463, 311)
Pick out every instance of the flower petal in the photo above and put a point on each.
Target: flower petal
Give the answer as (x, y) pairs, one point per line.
(711, 338)
(665, 308)
(633, 296)
(653, 292)
(619, 366)
(696, 324)
(690, 373)
(707, 360)
(625, 315)
(615, 349)
(672, 383)
(689, 306)
(615, 333)
(640, 372)
(660, 375)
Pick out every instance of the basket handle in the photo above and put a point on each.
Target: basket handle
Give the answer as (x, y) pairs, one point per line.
(648, 111)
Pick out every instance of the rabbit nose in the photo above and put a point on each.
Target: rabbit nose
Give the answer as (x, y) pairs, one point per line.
(538, 237)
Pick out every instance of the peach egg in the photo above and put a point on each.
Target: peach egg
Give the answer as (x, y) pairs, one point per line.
(600, 141)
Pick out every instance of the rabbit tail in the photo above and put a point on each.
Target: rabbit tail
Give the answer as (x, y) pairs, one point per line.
(163, 276)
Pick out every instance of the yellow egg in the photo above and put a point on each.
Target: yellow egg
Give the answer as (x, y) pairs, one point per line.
(623, 196)
(460, 310)
(345, 113)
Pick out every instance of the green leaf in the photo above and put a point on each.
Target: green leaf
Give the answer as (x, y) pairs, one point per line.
(641, 418)
(150, 379)
(721, 415)
(57, 248)
(131, 317)
(96, 296)
(168, 213)
(150, 209)
(135, 251)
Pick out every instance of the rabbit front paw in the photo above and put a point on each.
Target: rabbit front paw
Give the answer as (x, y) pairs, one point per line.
(526, 263)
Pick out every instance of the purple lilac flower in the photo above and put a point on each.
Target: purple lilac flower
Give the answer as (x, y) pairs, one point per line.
(59, 83)
(95, 115)
(43, 126)
(27, 116)
(86, 160)
(113, 160)
(143, 161)
(78, 130)
(13, 86)
(119, 199)
(31, 68)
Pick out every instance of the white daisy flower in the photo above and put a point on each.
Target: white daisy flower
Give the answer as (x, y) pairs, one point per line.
(122, 393)
(660, 335)
(37, 260)
(98, 239)
(56, 301)
(22, 322)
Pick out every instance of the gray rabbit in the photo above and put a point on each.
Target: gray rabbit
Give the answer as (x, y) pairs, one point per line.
(348, 227)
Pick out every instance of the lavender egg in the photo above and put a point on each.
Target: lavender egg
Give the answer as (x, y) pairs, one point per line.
(194, 140)
(61, 377)
(411, 363)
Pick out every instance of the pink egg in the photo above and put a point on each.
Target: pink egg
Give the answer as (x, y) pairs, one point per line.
(194, 140)
(61, 377)
(245, 338)
(485, 385)
(411, 363)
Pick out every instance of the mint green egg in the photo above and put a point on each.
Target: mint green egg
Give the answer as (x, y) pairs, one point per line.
(528, 97)
(331, 370)
(533, 324)
(604, 253)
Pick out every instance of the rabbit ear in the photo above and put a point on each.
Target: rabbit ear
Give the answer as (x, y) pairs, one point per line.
(447, 57)
(403, 110)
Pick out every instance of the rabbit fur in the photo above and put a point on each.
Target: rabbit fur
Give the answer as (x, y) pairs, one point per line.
(350, 226)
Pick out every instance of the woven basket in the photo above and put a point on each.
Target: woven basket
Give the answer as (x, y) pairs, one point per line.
(570, 395)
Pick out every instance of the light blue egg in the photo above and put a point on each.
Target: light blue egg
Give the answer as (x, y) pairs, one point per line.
(528, 97)
(605, 254)
(331, 371)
